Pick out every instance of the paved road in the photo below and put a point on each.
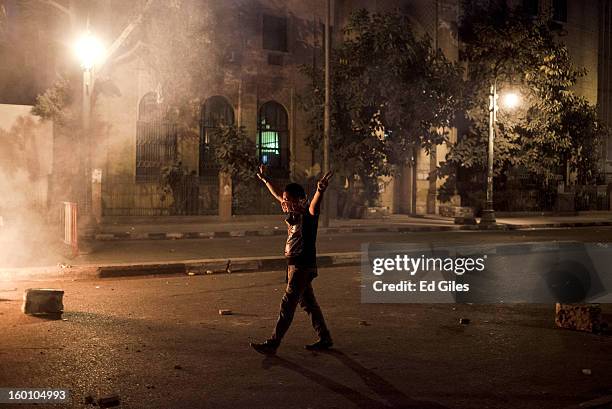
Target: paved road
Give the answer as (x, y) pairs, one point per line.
(151, 250)
(34, 251)
(127, 336)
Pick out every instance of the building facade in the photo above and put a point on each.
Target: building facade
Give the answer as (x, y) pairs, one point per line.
(147, 166)
(259, 90)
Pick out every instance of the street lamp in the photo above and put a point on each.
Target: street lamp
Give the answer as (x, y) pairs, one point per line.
(510, 100)
(91, 53)
(89, 50)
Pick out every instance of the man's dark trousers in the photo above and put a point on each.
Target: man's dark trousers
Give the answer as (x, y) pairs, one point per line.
(299, 290)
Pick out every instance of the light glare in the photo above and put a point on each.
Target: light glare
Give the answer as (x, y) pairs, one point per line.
(511, 100)
(89, 50)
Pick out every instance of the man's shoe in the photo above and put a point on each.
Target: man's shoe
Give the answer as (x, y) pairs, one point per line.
(267, 347)
(320, 345)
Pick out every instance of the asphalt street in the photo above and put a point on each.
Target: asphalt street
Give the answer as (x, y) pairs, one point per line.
(159, 342)
(36, 251)
(162, 250)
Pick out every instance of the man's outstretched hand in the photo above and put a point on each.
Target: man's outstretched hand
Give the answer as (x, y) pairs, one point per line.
(261, 172)
(324, 181)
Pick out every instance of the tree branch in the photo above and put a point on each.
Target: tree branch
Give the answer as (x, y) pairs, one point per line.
(61, 8)
(126, 32)
(130, 52)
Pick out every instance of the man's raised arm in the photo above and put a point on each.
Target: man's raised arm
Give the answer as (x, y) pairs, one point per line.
(315, 203)
(273, 190)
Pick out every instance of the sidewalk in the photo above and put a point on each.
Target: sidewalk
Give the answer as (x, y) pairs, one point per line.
(191, 228)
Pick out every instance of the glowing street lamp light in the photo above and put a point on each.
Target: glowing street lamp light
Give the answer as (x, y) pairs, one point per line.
(510, 100)
(89, 50)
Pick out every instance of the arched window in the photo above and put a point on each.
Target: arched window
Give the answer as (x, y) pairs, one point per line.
(156, 140)
(214, 113)
(273, 135)
(148, 108)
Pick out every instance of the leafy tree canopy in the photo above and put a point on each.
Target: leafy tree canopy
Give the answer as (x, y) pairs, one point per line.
(392, 92)
(553, 126)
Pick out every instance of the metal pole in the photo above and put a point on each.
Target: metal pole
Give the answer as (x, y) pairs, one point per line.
(86, 223)
(86, 115)
(488, 214)
(326, 114)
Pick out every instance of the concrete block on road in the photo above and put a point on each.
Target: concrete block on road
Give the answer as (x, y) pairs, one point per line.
(43, 301)
(579, 317)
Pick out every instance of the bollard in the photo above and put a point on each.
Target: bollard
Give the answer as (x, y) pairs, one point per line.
(43, 301)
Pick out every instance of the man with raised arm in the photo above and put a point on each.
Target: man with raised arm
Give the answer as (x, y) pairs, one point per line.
(300, 250)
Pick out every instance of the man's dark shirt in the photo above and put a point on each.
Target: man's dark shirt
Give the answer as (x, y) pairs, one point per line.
(300, 248)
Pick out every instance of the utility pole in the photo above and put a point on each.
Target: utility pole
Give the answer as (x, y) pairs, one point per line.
(326, 114)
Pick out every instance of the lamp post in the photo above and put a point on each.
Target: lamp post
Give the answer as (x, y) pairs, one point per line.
(510, 100)
(90, 53)
(326, 113)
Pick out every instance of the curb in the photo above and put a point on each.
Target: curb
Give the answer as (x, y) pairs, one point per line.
(338, 230)
(191, 267)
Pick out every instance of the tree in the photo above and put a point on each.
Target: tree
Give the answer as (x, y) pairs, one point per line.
(235, 152)
(392, 93)
(553, 127)
(56, 104)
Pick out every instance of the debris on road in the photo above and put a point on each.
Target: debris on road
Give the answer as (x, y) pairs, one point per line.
(586, 371)
(178, 367)
(364, 323)
(225, 312)
(43, 301)
(192, 273)
(227, 267)
(209, 271)
(109, 401)
(464, 321)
